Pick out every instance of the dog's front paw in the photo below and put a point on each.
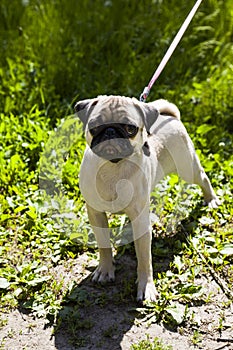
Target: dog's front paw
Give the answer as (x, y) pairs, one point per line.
(147, 291)
(104, 274)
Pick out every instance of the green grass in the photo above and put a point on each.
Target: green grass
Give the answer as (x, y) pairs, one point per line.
(56, 52)
(157, 344)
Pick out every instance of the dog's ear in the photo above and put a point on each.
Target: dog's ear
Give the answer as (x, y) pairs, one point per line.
(149, 113)
(84, 108)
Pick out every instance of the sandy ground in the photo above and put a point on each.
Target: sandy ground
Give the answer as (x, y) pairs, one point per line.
(111, 322)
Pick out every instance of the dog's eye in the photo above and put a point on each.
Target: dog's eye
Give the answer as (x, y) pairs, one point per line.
(131, 130)
(94, 131)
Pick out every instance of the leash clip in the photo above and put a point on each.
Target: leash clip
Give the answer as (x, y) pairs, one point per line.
(145, 94)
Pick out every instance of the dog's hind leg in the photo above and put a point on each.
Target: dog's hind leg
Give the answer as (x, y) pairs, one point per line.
(187, 165)
(201, 179)
(105, 272)
(191, 171)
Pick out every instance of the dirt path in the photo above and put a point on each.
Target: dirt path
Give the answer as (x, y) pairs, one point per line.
(104, 317)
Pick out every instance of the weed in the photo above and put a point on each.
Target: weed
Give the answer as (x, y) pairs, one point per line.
(109, 332)
(196, 337)
(156, 344)
(3, 322)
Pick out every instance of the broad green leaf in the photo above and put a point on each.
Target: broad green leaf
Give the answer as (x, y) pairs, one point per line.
(205, 220)
(32, 213)
(177, 311)
(227, 250)
(178, 263)
(38, 280)
(4, 284)
(204, 129)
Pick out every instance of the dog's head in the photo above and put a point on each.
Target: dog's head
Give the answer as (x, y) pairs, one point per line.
(116, 126)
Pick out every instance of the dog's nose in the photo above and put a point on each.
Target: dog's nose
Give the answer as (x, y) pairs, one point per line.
(110, 133)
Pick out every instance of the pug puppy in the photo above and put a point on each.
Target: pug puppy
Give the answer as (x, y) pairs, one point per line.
(131, 146)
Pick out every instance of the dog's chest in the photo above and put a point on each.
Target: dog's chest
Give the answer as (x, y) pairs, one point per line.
(110, 187)
(110, 184)
(115, 184)
(106, 186)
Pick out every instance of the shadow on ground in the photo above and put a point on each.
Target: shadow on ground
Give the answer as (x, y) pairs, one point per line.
(99, 317)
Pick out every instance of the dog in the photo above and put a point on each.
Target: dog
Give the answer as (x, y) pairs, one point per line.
(131, 146)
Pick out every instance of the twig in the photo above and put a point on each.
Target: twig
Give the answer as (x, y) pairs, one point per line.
(213, 273)
(222, 340)
(222, 347)
(222, 284)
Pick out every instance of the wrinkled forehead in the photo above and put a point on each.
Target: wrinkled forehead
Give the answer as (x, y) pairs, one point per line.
(117, 110)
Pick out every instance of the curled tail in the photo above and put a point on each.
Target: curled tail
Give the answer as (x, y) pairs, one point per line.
(168, 108)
